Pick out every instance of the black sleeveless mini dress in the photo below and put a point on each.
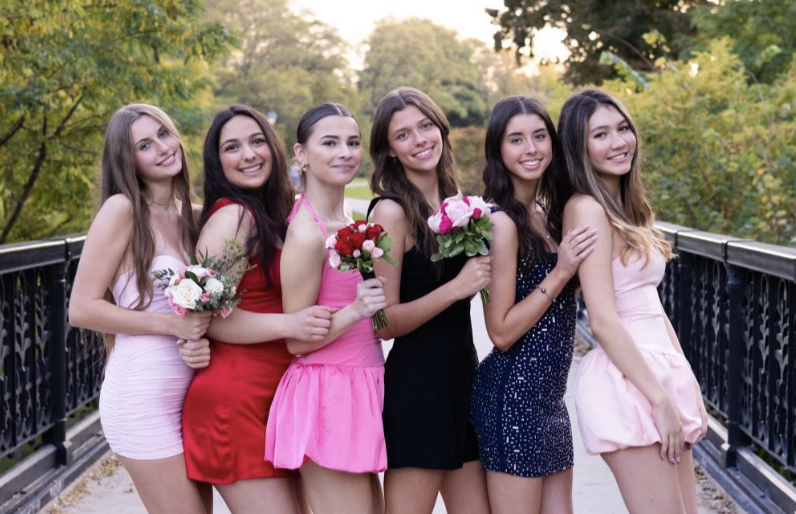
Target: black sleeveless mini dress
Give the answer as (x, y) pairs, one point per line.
(428, 374)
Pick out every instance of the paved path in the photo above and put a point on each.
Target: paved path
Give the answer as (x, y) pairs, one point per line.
(107, 488)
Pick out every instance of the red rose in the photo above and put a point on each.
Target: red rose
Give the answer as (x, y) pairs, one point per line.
(343, 247)
(356, 239)
(344, 232)
(358, 224)
(374, 232)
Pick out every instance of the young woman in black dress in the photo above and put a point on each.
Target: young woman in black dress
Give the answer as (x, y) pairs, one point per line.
(524, 433)
(431, 445)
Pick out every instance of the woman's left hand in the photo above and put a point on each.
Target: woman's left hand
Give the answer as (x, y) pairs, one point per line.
(195, 354)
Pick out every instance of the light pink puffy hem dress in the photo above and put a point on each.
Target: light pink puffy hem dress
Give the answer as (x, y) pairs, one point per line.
(328, 405)
(612, 412)
(145, 382)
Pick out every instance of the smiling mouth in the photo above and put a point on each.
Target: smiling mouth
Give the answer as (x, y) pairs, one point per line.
(531, 164)
(425, 153)
(168, 161)
(619, 157)
(252, 169)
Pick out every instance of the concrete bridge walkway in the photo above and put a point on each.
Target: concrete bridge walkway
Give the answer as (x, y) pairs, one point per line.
(107, 488)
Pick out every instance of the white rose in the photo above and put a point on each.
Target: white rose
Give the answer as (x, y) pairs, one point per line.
(478, 204)
(199, 271)
(376, 253)
(186, 294)
(368, 246)
(459, 213)
(214, 286)
(331, 241)
(434, 221)
(334, 260)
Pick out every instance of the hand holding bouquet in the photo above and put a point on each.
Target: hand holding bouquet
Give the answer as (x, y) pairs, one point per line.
(357, 247)
(208, 284)
(463, 225)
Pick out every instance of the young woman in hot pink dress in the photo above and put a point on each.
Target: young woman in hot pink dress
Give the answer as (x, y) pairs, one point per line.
(325, 419)
(638, 403)
(146, 222)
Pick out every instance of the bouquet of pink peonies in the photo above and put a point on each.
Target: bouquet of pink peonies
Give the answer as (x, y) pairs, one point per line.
(463, 225)
(209, 283)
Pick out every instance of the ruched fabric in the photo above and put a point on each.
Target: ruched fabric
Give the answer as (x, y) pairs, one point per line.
(145, 382)
(612, 413)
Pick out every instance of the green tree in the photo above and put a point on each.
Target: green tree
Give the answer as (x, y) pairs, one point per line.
(764, 33)
(594, 27)
(65, 66)
(286, 62)
(422, 54)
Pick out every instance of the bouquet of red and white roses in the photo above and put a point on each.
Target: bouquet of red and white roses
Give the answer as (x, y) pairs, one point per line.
(209, 283)
(463, 225)
(357, 247)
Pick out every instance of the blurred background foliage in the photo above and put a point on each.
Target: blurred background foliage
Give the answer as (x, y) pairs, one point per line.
(712, 87)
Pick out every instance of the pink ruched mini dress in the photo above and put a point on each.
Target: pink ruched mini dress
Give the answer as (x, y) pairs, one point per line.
(328, 405)
(145, 381)
(612, 413)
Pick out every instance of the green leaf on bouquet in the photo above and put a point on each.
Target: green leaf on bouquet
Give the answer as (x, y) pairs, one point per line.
(192, 276)
(437, 257)
(459, 248)
(470, 248)
(389, 260)
(483, 250)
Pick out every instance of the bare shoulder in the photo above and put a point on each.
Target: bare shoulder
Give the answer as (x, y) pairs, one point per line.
(584, 207)
(304, 234)
(229, 222)
(503, 223)
(389, 211)
(115, 214)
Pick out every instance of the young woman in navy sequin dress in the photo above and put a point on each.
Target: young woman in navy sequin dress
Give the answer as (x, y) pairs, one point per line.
(521, 421)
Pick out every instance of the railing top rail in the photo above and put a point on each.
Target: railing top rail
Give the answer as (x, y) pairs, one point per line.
(31, 254)
(774, 260)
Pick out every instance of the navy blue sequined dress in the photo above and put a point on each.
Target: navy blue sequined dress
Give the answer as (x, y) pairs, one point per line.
(518, 407)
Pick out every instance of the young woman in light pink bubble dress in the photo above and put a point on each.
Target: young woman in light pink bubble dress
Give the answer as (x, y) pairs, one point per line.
(638, 403)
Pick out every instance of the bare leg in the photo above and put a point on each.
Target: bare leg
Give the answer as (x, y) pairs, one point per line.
(336, 492)
(163, 485)
(464, 490)
(264, 495)
(206, 493)
(301, 495)
(509, 494)
(649, 484)
(411, 490)
(687, 478)
(378, 495)
(557, 493)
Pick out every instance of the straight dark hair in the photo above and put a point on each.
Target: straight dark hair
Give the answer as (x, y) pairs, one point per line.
(499, 188)
(269, 205)
(389, 177)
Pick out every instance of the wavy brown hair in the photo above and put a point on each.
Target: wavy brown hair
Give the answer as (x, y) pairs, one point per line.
(389, 177)
(497, 178)
(269, 205)
(633, 217)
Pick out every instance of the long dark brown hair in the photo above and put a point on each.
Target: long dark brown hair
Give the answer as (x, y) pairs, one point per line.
(633, 218)
(500, 189)
(389, 177)
(119, 176)
(269, 205)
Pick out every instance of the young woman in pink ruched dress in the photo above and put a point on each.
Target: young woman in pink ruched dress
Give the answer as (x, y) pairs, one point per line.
(638, 403)
(325, 419)
(146, 222)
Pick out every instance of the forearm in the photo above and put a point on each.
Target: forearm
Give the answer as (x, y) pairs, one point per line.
(625, 355)
(522, 316)
(673, 336)
(342, 320)
(406, 317)
(246, 327)
(102, 316)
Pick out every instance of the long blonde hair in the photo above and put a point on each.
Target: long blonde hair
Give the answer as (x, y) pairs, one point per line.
(633, 217)
(120, 176)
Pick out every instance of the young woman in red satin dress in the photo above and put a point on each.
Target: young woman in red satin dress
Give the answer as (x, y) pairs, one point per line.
(248, 196)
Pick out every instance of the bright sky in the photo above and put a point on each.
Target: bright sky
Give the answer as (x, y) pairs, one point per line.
(354, 20)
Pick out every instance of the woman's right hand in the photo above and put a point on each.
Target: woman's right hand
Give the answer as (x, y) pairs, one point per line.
(311, 324)
(190, 327)
(474, 276)
(370, 297)
(670, 428)
(576, 245)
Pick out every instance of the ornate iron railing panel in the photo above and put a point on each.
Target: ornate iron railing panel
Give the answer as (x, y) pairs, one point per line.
(48, 369)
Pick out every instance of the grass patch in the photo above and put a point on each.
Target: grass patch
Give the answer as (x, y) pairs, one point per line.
(358, 216)
(360, 193)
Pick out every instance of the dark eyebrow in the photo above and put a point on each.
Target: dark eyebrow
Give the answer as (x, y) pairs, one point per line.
(330, 136)
(514, 134)
(601, 127)
(234, 139)
(149, 138)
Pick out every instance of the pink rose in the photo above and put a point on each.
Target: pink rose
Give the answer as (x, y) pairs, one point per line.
(459, 213)
(331, 241)
(356, 254)
(179, 310)
(478, 206)
(376, 253)
(334, 260)
(445, 225)
(225, 311)
(368, 245)
(205, 297)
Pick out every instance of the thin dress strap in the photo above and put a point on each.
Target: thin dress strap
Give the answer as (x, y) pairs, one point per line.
(303, 200)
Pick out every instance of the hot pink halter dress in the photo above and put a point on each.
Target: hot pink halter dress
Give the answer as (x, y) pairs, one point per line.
(328, 405)
(612, 412)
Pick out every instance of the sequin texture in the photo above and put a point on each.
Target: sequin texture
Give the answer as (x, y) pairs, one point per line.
(518, 408)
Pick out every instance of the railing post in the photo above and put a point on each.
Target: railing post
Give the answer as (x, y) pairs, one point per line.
(736, 283)
(57, 286)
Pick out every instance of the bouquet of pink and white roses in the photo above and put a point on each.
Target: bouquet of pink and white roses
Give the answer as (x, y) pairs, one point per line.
(463, 225)
(208, 284)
